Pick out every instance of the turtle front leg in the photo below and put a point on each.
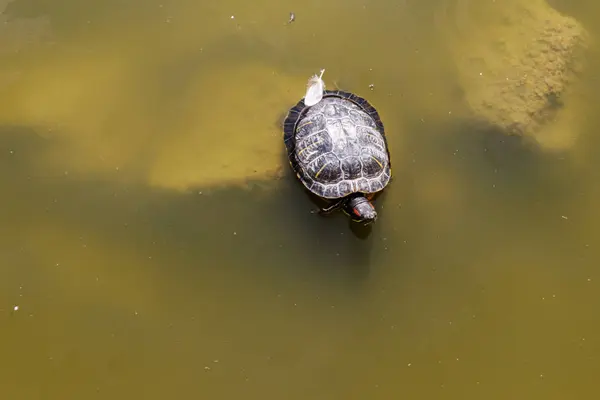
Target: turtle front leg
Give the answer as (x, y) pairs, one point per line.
(328, 210)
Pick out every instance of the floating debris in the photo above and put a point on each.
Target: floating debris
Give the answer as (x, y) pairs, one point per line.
(315, 89)
(292, 18)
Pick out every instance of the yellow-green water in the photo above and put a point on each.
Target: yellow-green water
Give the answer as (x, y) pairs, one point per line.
(153, 243)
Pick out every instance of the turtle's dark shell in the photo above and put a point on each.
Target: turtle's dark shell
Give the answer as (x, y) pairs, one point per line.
(338, 147)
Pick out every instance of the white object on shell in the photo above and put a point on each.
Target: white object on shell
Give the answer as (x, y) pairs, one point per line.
(314, 90)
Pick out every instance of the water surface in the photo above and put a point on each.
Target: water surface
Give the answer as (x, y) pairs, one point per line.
(154, 243)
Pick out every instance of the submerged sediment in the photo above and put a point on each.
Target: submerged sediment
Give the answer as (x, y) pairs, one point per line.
(518, 66)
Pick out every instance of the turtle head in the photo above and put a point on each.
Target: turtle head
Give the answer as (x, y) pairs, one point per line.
(360, 209)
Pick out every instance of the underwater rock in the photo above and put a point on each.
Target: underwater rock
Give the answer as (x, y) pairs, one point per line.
(517, 66)
(228, 129)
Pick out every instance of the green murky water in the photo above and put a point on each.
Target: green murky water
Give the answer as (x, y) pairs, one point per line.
(154, 244)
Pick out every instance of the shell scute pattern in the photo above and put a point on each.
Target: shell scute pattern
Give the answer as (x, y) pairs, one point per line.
(338, 147)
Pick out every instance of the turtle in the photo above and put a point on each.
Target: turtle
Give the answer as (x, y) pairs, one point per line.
(338, 150)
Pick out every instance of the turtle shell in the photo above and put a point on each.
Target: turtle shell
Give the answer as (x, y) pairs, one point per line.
(338, 146)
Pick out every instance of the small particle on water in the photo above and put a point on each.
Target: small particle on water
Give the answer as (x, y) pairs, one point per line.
(233, 17)
(16, 308)
(563, 217)
(207, 368)
(292, 18)
(409, 364)
(372, 86)
(215, 361)
(234, 233)
(481, 74)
